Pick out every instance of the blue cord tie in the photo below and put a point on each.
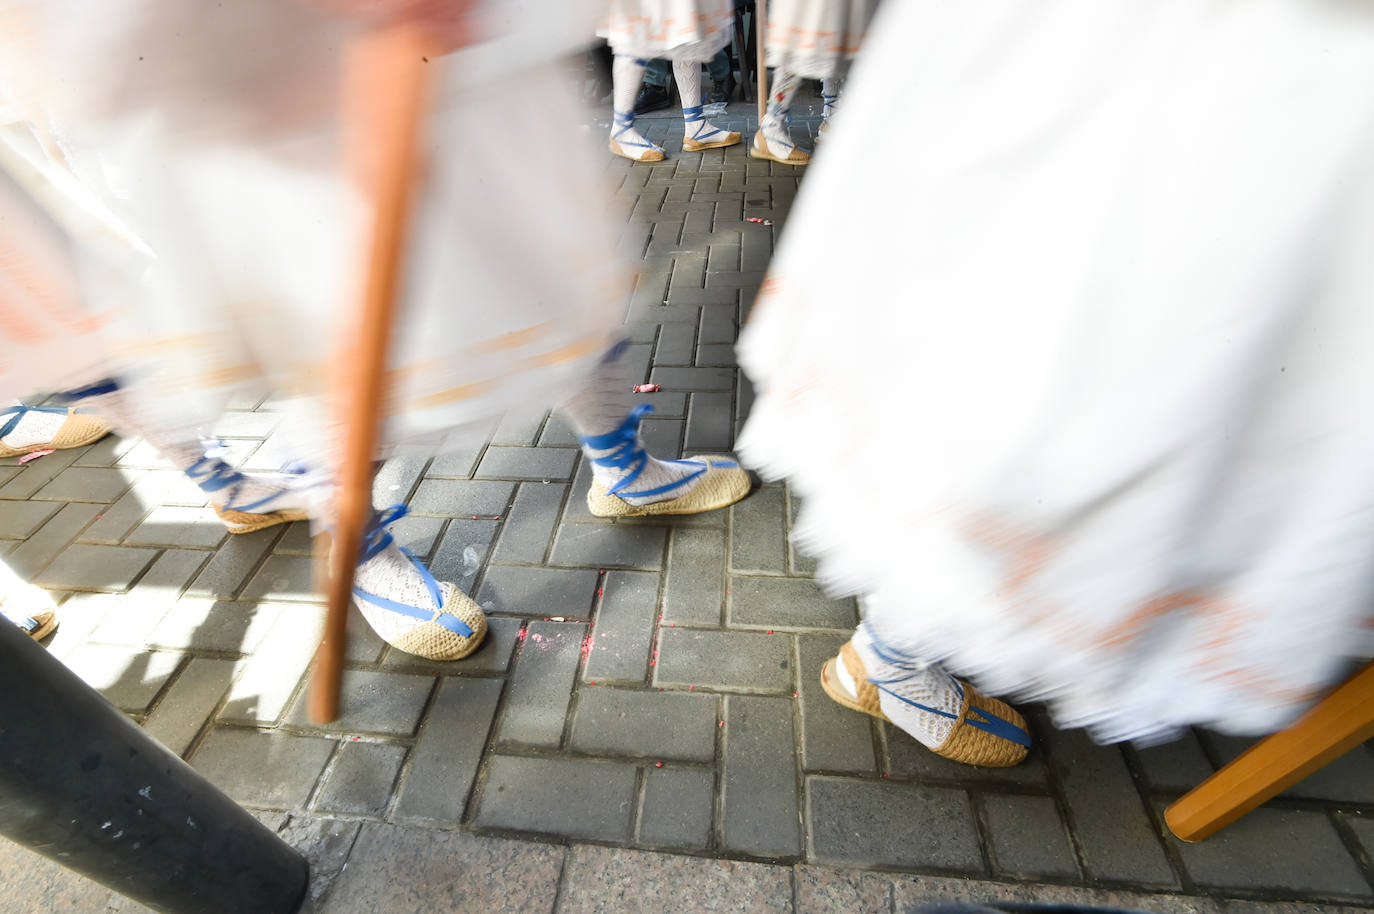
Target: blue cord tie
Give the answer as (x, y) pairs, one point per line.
(376, 538)
(20, 411)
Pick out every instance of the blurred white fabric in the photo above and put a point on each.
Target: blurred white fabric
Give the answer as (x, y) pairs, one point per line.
(219, 238)
(1078, 394)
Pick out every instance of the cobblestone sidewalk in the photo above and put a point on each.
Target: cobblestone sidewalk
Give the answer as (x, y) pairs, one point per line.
(644, 728)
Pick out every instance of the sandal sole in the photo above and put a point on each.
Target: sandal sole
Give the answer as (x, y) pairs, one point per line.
(840, 697)
(244, 522)
(692, 146)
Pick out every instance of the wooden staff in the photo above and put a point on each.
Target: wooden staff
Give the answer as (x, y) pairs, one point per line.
(386, 90)
(760, 20)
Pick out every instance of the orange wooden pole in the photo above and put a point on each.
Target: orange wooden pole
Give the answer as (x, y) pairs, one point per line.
(1342, 721)
(760, 23)
(387, 80)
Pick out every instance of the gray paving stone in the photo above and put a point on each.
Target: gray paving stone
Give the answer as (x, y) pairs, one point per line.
(718, 325)
(645, 724)
(787, 603)
(325, 843)
(833, 737)
(529, 526)
(173, 525)
(138, 613)
(716, 354)
(538, 591)
(361, 778)
(1176, 766)
(724, 660)
(908, 759)
(449, 750)
(373, 702)
(758, 532)
(604, 880)
(458, 497)
(32, 884)
(105, 452)
(666, 403)
(710, 426)
(528, 463)
(190, 703)
(493, 655)
(1275, 849)
(1026, 836)
(398, 475)
(196, 623)
(87, 567)
(97, 484)
(284, 577)
(822, 890)
(878, 822)
(558, 432)
(458, 463)
(694, 590)
(624, 626)
(694, 378)
(19, 519)
(678, 803)
(80, 613)
(518, 427)
(129, 680)
(1105, 811)
(234, 561)
(36, 474)
(662, 437)
(567, 797)
(609, 545)
(255, 768)
(452, 559)
(30, 556)
(675, 344)
(759, 777)
(273, 674)
(395, 870)
(541, 686)
(116, 520)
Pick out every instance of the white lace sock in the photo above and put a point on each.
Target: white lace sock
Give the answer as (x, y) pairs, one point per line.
(830, 97)
(687, 74)
(34, 426)
(775, 117)
(627, 75)
(923, 700)
(609, 430)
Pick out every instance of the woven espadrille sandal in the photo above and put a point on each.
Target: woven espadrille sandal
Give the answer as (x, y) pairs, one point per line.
(625, 141)
(984, 732)
(707, 483)
(760, 149)
(31, 609)
(75, 430)
(241, 511)
(700, 134)
(428, 618)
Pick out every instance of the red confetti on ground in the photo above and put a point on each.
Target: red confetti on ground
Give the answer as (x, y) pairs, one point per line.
(658, 764)
(794, 694)
(720, 723)
(474, 517)
(601, 591)
(602, 571)
(884, 774)
(691, 688)
(770, 631)
(521, 635)
(647, 388)
(34, 455)
(591, 682)
(587, 644)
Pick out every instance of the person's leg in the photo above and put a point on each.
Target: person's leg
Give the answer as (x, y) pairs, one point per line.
(654, 94)
(698, 133)
(949, 717)
(628, 74)
(396, 594)
(830, 98)
(773, 140)
(722, 77)
(626, 480)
